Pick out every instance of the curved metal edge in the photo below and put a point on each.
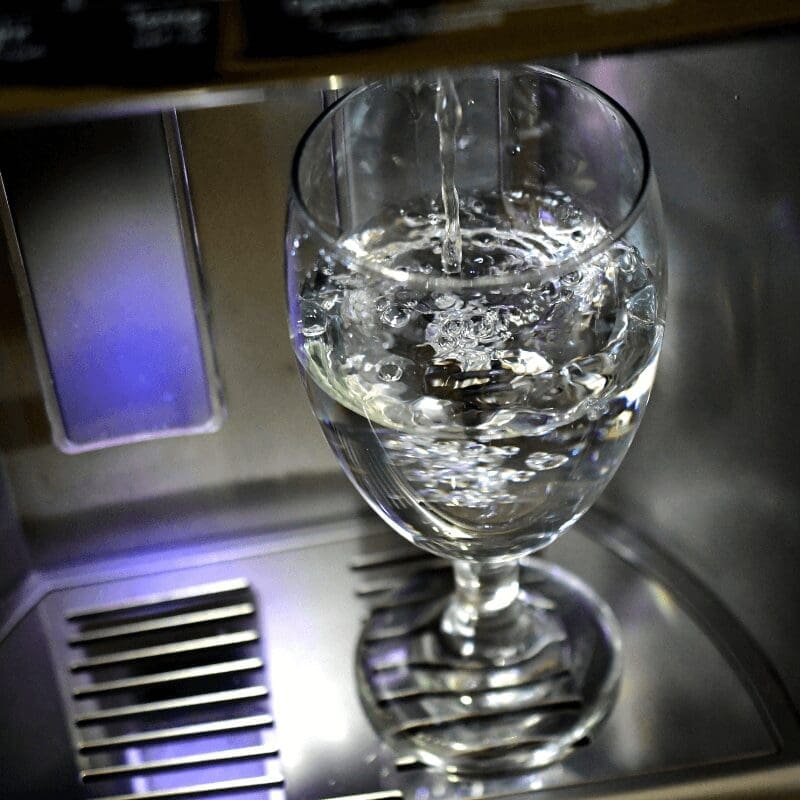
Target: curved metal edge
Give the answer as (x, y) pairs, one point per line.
(737, 645)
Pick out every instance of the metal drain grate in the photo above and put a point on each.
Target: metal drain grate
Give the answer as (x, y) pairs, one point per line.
(170, 697)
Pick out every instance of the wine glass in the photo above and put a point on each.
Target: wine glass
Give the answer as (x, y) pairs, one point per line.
(476, 282)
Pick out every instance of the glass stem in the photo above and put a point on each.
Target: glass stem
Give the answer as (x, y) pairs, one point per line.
(486, 589)
(487, 617)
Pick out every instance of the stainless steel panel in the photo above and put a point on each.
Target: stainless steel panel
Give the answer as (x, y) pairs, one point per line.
(697, 698)
(714, 473)
(36, 760)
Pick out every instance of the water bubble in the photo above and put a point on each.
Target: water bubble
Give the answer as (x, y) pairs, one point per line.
(517, 475)
(390, 371)
(453, 328)
(593, 414)
(545, 461)
(395, 316)
(628, 261)
(549, 291)
(514, 149)
(314, 319)
(446, 301)
(571, 278)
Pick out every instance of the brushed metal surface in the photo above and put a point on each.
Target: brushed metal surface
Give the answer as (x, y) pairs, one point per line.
(684, 710)
(714, 474)
(32, 714)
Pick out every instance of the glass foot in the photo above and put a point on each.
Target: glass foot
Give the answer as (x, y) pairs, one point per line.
(520, 707)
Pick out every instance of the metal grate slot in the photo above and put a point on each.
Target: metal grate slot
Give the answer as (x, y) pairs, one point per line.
(176, 704)
(165, 650)
(178, 763)
(390, 794)
(177, 675)
(390, 558)
(206, 591)
(181, 732)
(162, 623)
(202, 789)
(170, 696)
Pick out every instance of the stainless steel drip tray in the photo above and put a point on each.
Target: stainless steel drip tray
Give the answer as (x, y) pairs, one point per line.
(233, 674)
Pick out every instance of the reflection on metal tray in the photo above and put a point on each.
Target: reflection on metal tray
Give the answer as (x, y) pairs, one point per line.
(164, 676)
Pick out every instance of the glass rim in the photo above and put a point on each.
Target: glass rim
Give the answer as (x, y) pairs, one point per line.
(454, 283)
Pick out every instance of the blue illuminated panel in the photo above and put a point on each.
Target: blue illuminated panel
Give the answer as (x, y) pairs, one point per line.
(111, 281)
